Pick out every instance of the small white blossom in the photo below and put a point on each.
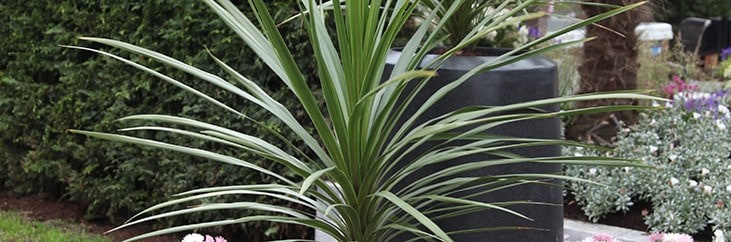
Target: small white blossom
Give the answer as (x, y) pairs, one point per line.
(592, 171)
(718, 236)
(655, 104)
(707, 189)
(692, 183)
(653, 121)
(696, 115)
(720, 124)
(728, 188)
(674, 181)
(722, 109)
(491, 36)
(705, 171)
(194, 237)
(653, 148)
(677, 237)
(673, 157)
(627, 169)
(578, 154)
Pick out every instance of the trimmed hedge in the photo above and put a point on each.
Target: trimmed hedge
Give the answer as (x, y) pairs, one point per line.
(674, 11)
(46, 89)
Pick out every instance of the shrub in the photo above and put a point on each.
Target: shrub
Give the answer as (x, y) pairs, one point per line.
(46, 89)
(687, 146)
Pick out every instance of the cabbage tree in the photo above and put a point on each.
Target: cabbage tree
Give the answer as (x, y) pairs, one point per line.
(356, 140)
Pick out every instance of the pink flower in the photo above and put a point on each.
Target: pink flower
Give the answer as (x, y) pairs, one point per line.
(600, 238)
(220, 239)
(656, 237)
(209, 238)
(677, 86)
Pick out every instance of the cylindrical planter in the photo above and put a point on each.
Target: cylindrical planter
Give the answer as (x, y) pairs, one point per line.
(526, 80)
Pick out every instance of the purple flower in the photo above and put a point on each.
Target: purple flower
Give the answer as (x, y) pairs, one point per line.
(725, 53)
(535, 32)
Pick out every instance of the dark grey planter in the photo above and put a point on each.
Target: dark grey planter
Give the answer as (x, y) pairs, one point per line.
(526, 80)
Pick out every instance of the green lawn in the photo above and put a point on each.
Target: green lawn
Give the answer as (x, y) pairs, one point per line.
(15, 227)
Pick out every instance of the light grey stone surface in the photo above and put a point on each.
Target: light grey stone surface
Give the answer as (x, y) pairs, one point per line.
(578, 230)
(574, 231)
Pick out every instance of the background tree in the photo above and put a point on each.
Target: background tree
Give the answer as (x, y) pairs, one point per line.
(609, 63)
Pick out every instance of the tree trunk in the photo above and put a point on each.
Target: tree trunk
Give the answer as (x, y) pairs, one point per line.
(609, 64)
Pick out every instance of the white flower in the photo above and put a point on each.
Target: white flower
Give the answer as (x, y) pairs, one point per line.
(700, 95)
(653, 148)
(728, 188)
(627, 169)
(693, 183)
(655, 104)
(696, 115)
(718, 236)
(722, 109)
(491, 36)
(194, 237)
(673, 237)
(674, 181)
(720, 124)
(705, 171)
(592, 171)
(707, 189)
(653, 121)
(673, 157)
(578, 154)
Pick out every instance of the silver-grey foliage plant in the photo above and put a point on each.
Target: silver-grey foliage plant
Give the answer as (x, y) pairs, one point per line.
(689, 186)
(351, 145)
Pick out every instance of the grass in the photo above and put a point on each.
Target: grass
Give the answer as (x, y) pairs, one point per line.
(16, 227)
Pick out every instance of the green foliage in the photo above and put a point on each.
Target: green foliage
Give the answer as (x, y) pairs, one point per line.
(674, 11)
(357, 142)
(46, 89)
(473, 16)
(688, 185)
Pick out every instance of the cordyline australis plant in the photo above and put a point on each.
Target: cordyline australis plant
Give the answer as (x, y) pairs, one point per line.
(353, 146)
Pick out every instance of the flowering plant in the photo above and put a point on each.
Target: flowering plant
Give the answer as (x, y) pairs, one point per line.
(600, 238)
(677, 85)
(725, 66)
(196, 237)
(688, 144)
(670, 237)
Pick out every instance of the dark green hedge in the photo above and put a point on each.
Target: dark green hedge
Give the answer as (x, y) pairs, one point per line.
(46, 89)
(674, 11)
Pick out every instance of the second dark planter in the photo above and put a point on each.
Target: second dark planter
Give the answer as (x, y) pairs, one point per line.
(526, 80)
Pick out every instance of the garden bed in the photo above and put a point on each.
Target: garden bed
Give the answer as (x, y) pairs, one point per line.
(39, 208)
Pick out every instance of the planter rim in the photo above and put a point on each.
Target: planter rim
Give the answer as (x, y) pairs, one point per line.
(466, 63)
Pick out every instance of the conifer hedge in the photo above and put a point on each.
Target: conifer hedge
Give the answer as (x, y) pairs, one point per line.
(46, 89)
